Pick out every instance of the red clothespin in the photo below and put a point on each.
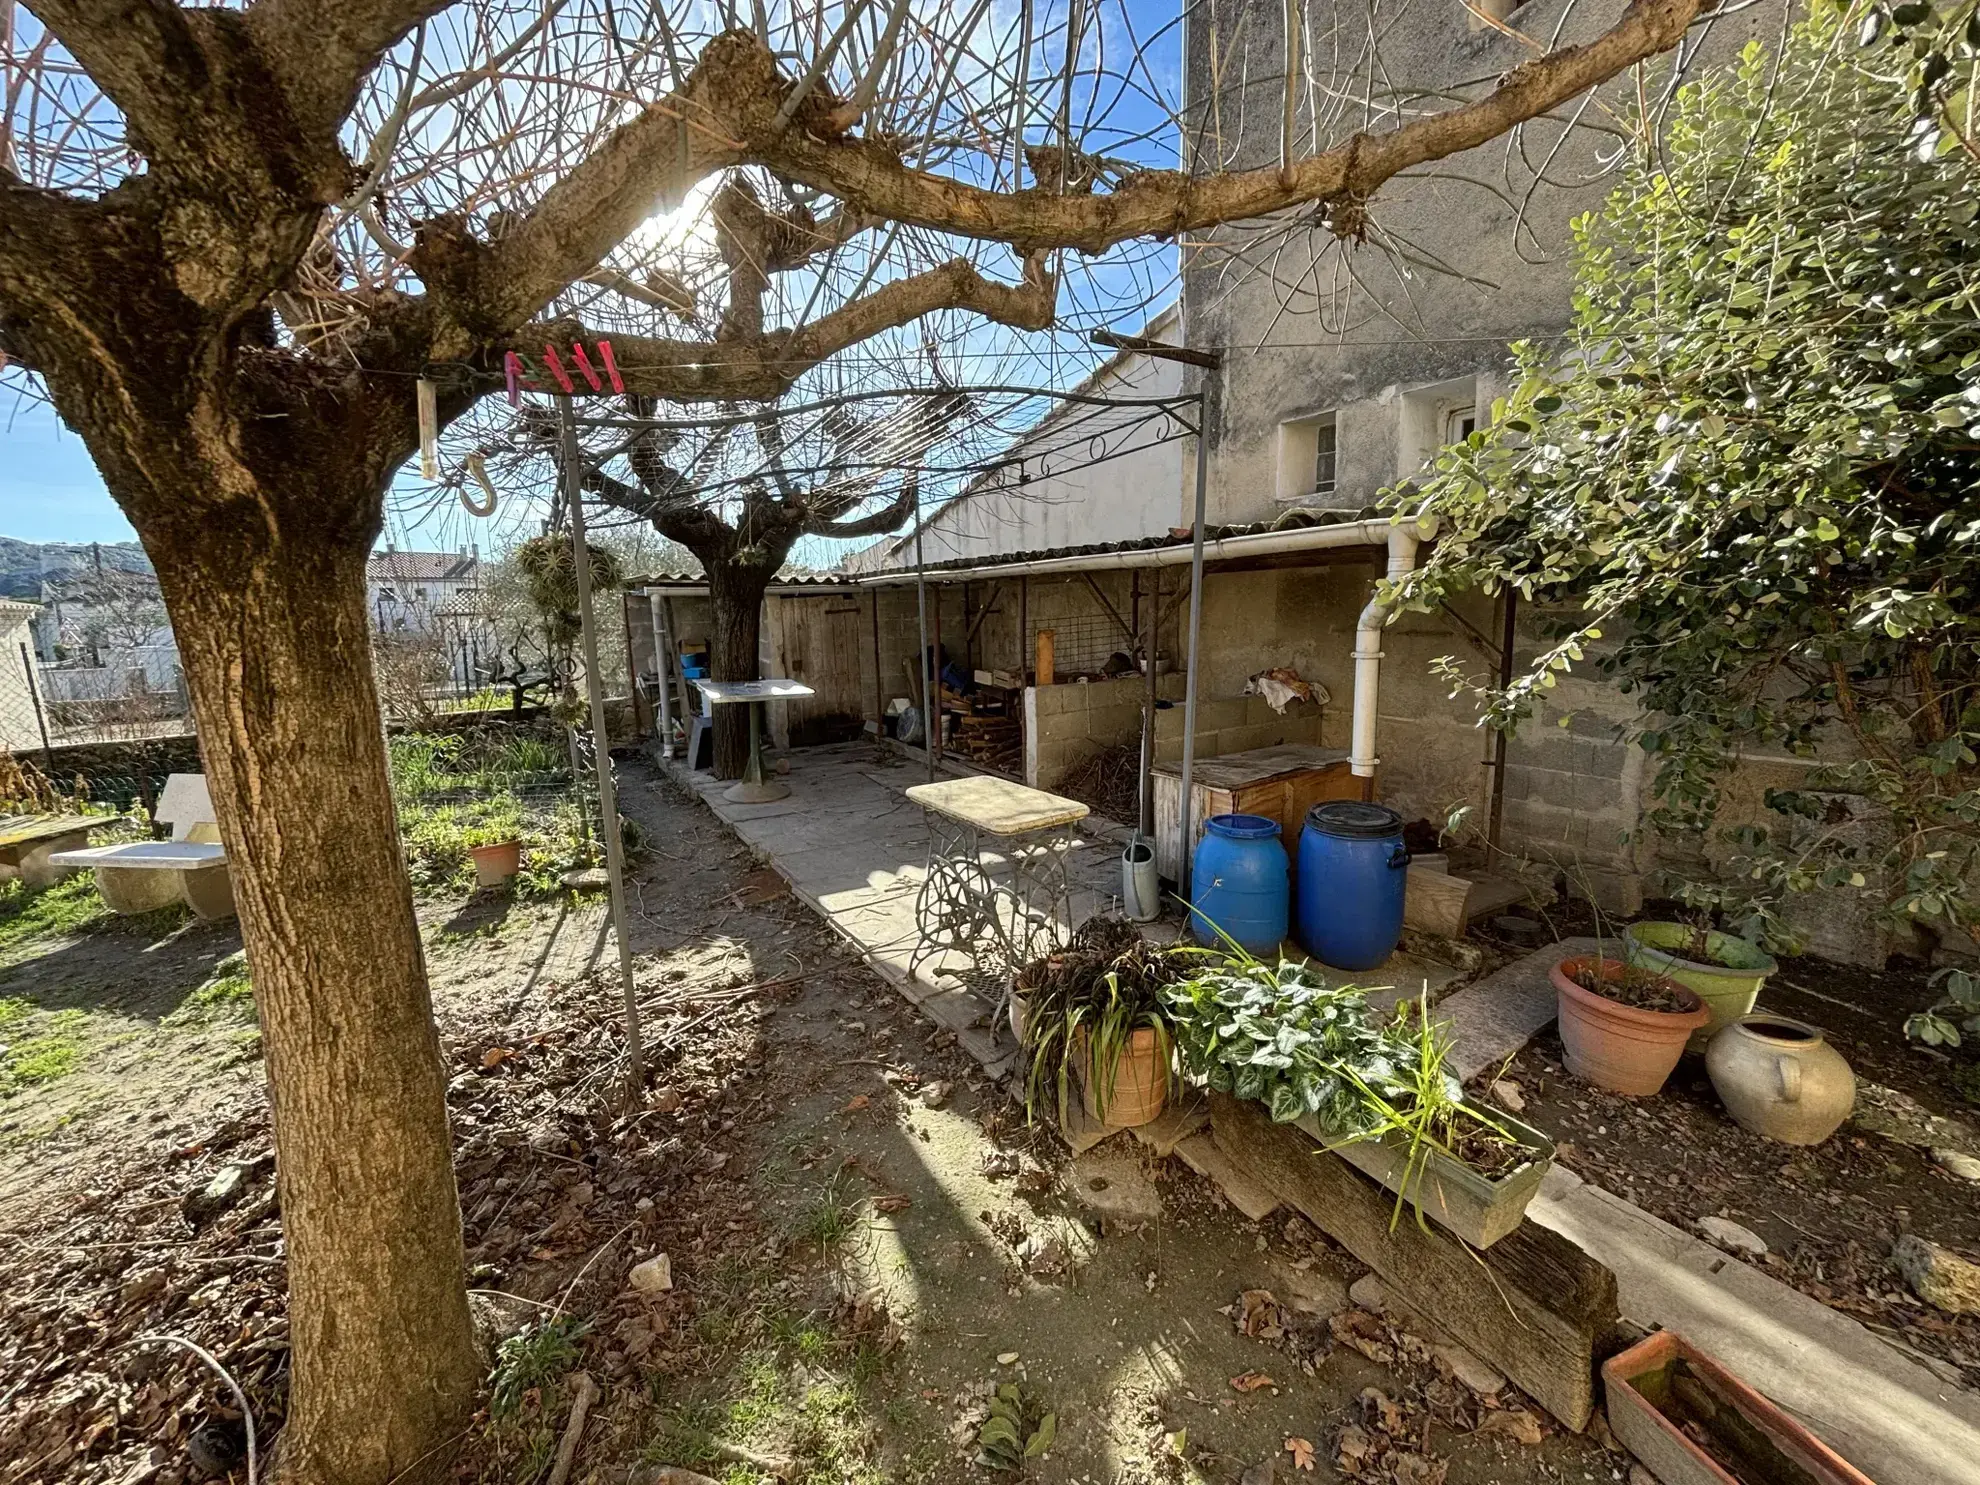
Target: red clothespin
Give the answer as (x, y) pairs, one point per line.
(584, 365)
(512, 371)
(556, 364)
(611, 366)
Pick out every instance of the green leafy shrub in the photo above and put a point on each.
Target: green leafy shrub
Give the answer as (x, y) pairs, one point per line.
(1957, 1010)
(1750, 478)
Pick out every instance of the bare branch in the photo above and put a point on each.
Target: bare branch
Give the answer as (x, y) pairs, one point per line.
(871, 177)
(886, 519)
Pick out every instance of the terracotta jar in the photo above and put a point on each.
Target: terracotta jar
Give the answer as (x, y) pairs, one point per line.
(1780, 1079)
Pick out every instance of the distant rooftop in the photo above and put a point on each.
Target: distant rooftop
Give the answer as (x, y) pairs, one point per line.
(422, 567)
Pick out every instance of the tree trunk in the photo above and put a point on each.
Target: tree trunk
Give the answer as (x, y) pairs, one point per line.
(735, 601)
(271, 622)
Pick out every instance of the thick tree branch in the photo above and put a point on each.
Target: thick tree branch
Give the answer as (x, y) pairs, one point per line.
(482, 290)
(880, 522)
(870, 177)
(763, 368)
(145, 57)
(321, 54)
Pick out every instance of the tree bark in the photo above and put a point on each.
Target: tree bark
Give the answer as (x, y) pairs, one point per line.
(735, 600)
(270, 617)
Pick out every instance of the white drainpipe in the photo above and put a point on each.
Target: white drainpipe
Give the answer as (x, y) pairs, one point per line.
(1404, 539)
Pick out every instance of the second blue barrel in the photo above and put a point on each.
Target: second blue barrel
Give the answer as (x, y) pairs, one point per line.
(1352, 870)
(1239, 882)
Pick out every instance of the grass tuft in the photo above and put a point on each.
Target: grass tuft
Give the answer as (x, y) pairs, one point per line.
(828, 1221)
(225, 994)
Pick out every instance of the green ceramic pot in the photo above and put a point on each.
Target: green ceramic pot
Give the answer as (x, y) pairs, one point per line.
(1729, 987)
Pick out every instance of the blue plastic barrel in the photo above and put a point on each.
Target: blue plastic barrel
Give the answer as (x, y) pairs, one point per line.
(1352, 871)
(1239, 883)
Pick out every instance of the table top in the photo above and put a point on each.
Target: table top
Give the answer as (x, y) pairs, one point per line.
(1255, 765)
(997, 805)
(770, 690)
(179, 855)
(27, 830)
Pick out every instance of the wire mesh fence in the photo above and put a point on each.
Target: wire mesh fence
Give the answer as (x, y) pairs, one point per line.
(47, 706)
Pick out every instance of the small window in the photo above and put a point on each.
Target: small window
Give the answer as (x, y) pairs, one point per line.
(1460, 423)
(1325, 455)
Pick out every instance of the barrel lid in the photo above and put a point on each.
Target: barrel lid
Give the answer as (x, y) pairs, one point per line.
(1242, 827)
(1354, 820)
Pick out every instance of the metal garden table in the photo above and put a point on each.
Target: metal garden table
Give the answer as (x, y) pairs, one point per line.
(754, 787)
(996, 887)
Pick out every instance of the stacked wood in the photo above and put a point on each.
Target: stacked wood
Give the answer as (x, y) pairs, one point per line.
(994, 742)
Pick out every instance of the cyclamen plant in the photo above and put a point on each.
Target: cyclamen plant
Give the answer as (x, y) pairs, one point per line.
(1283, 1037)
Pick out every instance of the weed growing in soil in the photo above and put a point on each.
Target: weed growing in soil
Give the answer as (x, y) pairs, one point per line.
(827, 1222)
(225, 994)
(796, 1389)
(535, 1357)
(38, 1059)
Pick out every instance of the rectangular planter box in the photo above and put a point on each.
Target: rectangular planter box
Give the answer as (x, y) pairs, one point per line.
(1663, 1381)
(1450, 1193)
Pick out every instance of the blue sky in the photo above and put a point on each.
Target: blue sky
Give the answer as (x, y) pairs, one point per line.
(49, 488)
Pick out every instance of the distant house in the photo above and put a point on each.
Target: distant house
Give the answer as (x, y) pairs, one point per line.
(18, 727)
(435, 598)
(417, 591)
(102, 633)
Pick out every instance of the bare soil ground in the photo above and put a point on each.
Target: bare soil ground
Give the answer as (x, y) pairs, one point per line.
(1829, 1215)
(864, 1238)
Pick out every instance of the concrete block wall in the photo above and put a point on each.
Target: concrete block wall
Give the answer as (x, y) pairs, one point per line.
(1065, 725)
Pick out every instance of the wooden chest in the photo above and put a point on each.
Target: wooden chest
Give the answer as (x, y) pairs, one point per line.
(1280, 783)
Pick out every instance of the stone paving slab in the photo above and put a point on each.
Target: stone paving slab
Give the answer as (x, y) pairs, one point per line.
(1493, 1019)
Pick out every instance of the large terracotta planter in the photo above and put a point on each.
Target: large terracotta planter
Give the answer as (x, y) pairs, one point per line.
(1622, 1048)
(1780, 1079)
(1138, 1089)
(1728, 989)
(1662, 1390)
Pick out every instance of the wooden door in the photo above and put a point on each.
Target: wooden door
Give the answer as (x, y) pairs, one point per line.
(818, 641)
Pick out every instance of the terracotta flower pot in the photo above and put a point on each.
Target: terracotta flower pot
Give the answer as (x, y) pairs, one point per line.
(1138, 1090)
(1620, 1047)
(495, 864)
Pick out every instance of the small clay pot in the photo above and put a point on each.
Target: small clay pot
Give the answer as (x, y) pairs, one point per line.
(1620, 1047)
(495, 864)
(1781, 1079)
(1139, 1088)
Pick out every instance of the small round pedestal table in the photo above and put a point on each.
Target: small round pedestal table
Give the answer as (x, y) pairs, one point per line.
(754, 787)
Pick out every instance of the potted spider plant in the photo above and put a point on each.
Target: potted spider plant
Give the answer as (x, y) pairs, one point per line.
(1377, 1096)
(1093, 1017)
(1471, 1168)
